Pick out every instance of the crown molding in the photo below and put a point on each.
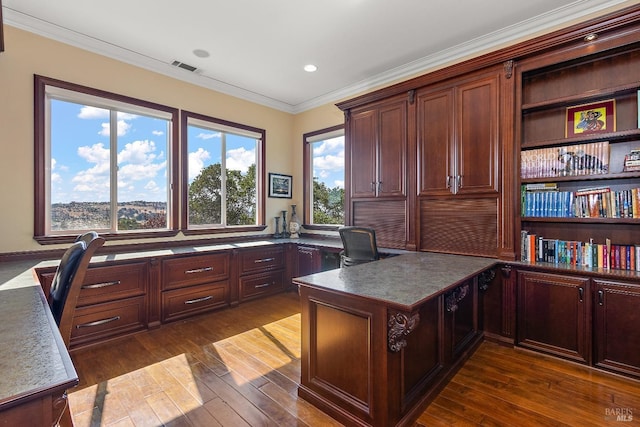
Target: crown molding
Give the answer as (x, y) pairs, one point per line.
(508, 35)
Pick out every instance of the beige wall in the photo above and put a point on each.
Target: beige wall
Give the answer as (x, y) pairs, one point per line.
(27, 54)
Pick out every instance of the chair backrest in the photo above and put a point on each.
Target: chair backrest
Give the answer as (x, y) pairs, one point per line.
(359, 245)
(68, 279)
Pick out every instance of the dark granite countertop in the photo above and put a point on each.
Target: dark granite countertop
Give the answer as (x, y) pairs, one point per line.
(403, 281)
(33, 357)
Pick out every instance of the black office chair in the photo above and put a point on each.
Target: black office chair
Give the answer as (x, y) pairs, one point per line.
(359, 245)
(68, 279)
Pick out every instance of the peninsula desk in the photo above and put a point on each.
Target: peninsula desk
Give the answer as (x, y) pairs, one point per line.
(380, 339)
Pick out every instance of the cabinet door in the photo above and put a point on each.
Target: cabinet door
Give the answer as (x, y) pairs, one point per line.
(616, 331)
(309, 260)
(435, 135)
(477, 115)
(553, 314)
(392, 149)
(362, 146)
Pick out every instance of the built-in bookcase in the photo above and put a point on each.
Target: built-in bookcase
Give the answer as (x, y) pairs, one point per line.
(578, 123)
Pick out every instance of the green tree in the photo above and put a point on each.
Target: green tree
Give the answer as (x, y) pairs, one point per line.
(205, 196)
(328, 204)
(127, 224)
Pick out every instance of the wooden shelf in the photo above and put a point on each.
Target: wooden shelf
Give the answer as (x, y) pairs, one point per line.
(574, 178)
(582, 98)
(613, 137)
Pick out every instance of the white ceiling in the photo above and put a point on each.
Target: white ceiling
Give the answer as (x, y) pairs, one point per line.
(258, 47)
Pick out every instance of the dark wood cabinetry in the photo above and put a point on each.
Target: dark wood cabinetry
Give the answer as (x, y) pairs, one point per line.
(458, 134)
(615, 324)
(376, 169)
(112, 301)
(554, 313)
(261, 271)
(194, 284)
(555, 153)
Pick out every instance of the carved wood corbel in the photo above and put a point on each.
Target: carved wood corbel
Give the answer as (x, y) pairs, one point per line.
(454, 297)
(485, 278)
(399, 326)
(508, 68)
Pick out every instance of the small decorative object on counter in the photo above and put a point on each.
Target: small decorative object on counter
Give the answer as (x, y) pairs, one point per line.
(277, 234)
(294, 225)
(285, 229)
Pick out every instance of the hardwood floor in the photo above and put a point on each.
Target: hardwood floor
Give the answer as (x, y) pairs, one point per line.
(240, 367)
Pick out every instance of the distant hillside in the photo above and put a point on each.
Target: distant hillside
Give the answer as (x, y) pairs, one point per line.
(86, 215)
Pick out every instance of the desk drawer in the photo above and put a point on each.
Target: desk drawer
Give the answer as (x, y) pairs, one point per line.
(100, 321)
(261, 284)
(194, 270)
(185, 302)
(259, 260)
(110, 283)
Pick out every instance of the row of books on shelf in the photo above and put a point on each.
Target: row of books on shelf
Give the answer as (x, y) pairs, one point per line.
(544, 200)
(586, 254)
(572, 160)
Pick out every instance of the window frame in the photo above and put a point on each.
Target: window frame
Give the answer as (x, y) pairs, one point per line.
(260, 177)
(40, 161)
(307, 177)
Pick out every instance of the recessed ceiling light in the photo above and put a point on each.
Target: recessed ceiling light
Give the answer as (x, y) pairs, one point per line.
(310, 68)
(201, 53)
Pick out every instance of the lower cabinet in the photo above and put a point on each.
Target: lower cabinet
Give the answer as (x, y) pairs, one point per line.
(194, 284)
(588, 320)
(461, 319)
(616, 326)
(553, 314)
(261, 271)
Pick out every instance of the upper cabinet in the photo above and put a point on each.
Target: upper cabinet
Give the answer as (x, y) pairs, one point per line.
(377, 148)
(458, 138)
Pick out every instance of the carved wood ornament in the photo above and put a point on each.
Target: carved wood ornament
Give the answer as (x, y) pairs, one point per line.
(485, 278)
(454, 297)
(399, 326)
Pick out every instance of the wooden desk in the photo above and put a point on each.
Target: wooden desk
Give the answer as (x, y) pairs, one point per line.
(35, 367)
(379, 339)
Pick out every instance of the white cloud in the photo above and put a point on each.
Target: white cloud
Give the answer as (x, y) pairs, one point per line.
(338, 183)
(329, 162)
(95, 154)
(209, 135)
(240, 159)
(56, 178)
(333, 145)
(136, 172)
(123, 128)
(196, 162)
(141, 152)
(157, 132)
(87, 112)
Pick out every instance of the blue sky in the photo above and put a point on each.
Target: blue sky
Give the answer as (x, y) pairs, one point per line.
(80, 163)
(328, 161)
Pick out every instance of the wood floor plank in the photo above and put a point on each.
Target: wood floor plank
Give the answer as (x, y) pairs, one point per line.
(241, 367)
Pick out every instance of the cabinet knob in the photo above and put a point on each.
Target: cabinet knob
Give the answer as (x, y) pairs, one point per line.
(600, 297)
(581, 293)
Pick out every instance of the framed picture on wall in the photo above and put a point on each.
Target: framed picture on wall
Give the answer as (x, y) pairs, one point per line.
(591, 118)
(280, 185)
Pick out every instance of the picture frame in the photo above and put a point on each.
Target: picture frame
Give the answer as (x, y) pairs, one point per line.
(595, 117)
(280, 185)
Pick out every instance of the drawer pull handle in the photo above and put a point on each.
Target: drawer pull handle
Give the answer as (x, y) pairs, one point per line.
(600, 297)
(98, 322)
(193, 301)
(264, 285)
(198, 270)
(101, 285)
(258, 261)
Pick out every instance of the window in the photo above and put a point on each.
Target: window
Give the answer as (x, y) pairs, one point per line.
(324, 178)
(104, 162)
(222, 174)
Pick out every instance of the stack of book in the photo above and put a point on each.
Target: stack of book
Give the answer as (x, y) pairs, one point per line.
(545, 200)
(572, 160)
(536, 249)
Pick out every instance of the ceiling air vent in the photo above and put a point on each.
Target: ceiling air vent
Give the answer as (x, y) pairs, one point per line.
(184, 66)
